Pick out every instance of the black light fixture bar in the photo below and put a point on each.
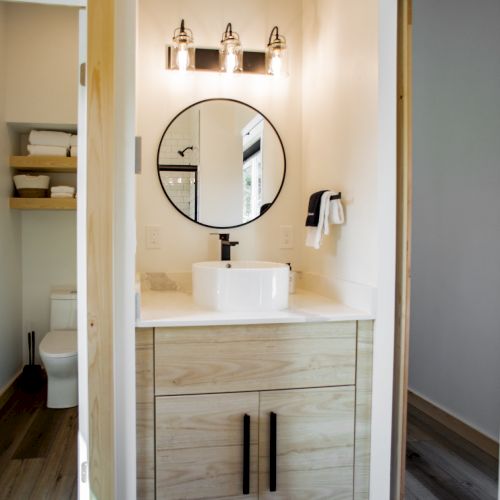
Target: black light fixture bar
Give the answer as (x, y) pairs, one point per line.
(208, 60)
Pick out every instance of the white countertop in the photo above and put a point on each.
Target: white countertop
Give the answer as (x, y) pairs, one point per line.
(168, 308)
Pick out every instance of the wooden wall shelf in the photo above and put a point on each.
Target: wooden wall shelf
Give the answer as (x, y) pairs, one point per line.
(61, 164)
(43, 203)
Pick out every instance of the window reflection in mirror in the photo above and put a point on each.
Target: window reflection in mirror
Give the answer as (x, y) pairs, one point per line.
(221, 163)
(252, 168)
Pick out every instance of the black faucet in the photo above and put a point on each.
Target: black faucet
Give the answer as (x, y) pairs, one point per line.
(225, 245)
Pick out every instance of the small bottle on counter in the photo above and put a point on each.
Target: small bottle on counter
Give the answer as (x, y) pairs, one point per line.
(292, 279)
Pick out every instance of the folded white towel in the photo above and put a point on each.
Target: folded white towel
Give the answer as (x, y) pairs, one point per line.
(36, 150)
(63, 189)
(61, 195)
(73, 151)
(330, 212)
(50, 138)
(73, 140)
(334, 212)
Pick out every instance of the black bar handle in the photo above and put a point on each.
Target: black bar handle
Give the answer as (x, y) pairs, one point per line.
(246, 455)
(272, 451)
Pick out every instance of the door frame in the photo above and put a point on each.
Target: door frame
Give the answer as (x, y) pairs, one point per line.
(403, 248)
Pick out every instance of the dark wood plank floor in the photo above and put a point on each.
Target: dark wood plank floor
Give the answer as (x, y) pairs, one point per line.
(442, 465)
(38, 448)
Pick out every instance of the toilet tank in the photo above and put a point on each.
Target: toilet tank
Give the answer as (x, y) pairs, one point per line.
(63, 310)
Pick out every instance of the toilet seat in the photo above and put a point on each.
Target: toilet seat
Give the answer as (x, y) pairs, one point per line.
(59, 344)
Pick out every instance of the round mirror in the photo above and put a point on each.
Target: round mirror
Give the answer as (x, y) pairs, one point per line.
(221, 163)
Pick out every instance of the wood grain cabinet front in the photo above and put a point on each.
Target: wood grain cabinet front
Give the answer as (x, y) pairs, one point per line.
(299, 445)
(200, 444)
(273, 412)
(254, 357)
(313, 444)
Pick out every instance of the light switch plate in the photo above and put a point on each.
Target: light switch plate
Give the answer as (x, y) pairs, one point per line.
(153, 237)
(286, 237)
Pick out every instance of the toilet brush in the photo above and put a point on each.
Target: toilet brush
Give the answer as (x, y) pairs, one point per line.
(31, 379)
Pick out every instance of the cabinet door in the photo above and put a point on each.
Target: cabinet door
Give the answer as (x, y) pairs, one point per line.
(314, 443)
(200, 446)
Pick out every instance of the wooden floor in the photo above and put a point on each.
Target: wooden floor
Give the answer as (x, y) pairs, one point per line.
(442, 465)
(38, 455)
(38, 448)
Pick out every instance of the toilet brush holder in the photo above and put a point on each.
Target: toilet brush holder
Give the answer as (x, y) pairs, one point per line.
(32, 376)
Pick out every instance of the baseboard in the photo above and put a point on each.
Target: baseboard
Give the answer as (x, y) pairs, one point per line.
(7, 388)
(475, 437)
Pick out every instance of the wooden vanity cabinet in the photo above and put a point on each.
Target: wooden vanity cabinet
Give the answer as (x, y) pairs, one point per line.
(241, 411)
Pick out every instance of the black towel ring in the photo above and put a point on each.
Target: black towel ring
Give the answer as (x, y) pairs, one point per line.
(336, 197)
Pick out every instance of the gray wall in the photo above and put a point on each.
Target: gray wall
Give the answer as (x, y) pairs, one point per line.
(455, 320)
(10, 245)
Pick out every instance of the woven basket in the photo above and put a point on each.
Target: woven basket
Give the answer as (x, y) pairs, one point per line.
(32, 193)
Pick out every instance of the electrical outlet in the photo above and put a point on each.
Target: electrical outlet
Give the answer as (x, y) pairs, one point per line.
(152, 237)
(286, 237)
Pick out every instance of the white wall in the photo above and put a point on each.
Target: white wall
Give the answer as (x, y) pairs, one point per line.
(455, 321)
(220, 180)
(339, 101)
(41, 87)
(10, 243)
(42, 64)
(162, 94)
(49, 259)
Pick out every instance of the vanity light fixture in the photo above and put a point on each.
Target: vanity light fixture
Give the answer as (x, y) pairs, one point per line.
(182, 51)
(229, 57)
(276, 54)
(231, 52)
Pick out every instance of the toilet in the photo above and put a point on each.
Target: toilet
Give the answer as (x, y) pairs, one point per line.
(58, 351)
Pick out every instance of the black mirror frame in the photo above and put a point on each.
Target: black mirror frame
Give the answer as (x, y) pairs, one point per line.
(158, 166)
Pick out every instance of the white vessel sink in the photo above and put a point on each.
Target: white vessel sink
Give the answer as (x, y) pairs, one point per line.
(241, 285)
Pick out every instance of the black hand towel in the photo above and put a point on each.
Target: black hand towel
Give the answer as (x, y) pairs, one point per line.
(313, 209)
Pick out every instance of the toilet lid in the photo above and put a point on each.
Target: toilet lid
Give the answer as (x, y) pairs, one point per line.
(59, 343)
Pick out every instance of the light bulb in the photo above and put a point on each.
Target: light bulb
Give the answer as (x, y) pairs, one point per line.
(230, 52)
(182, 58)
(276, 54)
(231, 62)
(183, 51)
(276, 65)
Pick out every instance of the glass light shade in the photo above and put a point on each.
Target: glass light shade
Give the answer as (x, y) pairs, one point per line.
(182, 52)
(231, 52)
(276, 54)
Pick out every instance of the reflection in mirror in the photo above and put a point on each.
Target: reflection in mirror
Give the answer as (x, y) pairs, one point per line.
(221, 163)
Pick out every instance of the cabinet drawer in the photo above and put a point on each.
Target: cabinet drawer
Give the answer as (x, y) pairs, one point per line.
(254, 358)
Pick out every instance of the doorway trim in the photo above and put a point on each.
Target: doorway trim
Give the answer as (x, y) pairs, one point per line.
(403, 248)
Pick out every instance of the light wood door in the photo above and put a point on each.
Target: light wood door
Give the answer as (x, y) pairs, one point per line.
(314, 443)
(199, 446)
